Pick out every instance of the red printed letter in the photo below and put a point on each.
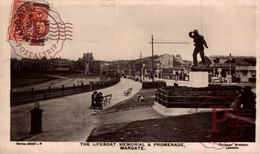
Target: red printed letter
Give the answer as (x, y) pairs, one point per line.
(214, 117)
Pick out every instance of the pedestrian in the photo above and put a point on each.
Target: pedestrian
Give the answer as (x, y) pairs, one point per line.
(199, 43)
(248, 100)
(99, 100)
(236, 103)
(210, 77)
(93, 98)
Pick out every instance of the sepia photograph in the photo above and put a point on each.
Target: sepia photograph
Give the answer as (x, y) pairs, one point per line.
(129, 76)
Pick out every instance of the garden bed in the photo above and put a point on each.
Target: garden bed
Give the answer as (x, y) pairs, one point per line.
(187, 97)
(133, 103)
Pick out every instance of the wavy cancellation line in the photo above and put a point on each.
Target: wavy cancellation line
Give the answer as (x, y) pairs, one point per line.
(238, 122)
(239, 125)
(60, 39)
(65, 35)
(66, 31)
(67, 23)
(61, 27)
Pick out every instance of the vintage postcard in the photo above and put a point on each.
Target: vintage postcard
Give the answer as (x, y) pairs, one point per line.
(129, 76)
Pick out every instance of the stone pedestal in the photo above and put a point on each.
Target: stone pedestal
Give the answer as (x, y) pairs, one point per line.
(198, 79)
(166, 112)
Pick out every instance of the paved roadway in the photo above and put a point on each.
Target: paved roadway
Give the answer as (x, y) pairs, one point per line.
(67, 118)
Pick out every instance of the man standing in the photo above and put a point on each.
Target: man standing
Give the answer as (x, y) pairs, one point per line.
(199, 48)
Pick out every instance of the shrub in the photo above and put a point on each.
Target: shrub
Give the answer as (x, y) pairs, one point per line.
(155, 84)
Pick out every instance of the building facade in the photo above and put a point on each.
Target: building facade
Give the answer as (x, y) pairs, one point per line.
(239, 68)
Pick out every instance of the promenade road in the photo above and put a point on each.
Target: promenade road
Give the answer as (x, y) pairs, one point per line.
(68, 118)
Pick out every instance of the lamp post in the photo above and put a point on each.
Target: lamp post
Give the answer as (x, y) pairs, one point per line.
(158, 70)
(152, 62)
(143, 70)
(140, 68)
(230, 59)
(230, 72)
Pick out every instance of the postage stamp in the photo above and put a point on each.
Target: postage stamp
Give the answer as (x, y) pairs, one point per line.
(36, 31)
(227, 120)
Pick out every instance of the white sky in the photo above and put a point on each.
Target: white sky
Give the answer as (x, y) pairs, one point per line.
(114, 32)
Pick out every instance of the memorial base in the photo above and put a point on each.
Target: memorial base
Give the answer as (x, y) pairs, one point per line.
(166, 112)
(198, 79)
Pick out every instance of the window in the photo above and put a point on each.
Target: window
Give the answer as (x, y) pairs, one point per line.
(244, 72)
(253, 74)
(216, 60)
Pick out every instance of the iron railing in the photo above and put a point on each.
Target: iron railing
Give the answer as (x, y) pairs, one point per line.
(19, 98)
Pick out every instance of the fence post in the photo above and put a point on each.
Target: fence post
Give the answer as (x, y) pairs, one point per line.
(156, 95)
(167, 99)
(32, 94)
(73, 88)
(82, 85)
(62, 90)
(161, 96)
(110, 83)
(49, 92)
(103, 84)
(90, 86)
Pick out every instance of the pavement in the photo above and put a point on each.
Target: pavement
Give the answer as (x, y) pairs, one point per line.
(128, 116)
(67, 118)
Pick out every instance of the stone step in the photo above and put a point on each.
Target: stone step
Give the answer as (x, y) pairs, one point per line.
(195, 105)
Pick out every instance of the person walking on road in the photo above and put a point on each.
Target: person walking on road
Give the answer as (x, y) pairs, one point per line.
(199, 43)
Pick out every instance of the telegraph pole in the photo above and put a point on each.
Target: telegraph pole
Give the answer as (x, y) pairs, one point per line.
(152, 60)
(140, 67)
(152, 42)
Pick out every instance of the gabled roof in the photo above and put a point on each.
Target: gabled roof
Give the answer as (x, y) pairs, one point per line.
(236, 60)
(242, 62)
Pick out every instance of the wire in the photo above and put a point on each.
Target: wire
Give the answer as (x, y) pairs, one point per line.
(170, 42)
(201, 15)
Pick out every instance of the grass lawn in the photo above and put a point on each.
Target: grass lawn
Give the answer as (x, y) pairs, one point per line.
(16, 82)
(32, 79)
(22, 79)
(133, 103)
(169, 129)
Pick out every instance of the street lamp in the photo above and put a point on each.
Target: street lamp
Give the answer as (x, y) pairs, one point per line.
(140, 68)
(158, 70)
(230, 59)
(230, 72)
(143, 70)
